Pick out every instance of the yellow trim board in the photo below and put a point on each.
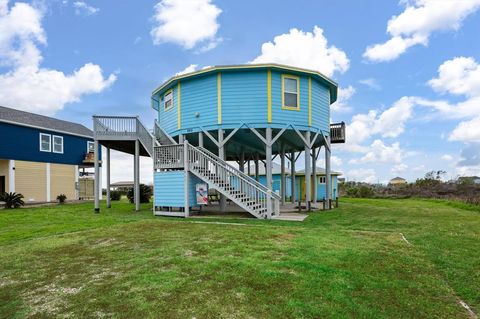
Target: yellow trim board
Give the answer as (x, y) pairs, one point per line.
(219, 98)
(310, 101)
(269, 96)
(179, 88)
(285, 107)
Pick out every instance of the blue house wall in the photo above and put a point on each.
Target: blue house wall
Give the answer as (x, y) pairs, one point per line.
(169, 189)
(23, 143)
(321, 187)
(231, 97)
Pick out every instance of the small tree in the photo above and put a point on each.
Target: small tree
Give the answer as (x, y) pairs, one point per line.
(61, 198)
(115, 195)
(145, 194)
(12, 200)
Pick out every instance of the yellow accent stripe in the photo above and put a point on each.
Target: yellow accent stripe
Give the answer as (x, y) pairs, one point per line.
(309, 101)
(219, 98)
(269, 96)
(179, 106)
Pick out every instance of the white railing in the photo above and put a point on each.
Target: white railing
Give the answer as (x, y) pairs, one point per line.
(130, 127)
(239, 187)
(162, 137)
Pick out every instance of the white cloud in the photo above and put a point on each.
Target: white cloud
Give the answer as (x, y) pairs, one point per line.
(399, 168)
(336, 161)
(362, 175)
(447, 157)
(187, 23)
(308, 50)
(82, 7)
(188, 69)
(416, 24)
(344, 95)
(381, 153)
(371, 83)
(28, 86)
(467, 131)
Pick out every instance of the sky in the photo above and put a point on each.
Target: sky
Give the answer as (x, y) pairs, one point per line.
(408, 71)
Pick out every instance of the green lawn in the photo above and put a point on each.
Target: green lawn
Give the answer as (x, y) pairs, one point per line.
(64, 261)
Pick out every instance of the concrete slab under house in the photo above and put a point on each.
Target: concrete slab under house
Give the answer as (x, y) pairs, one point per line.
(218, 127)
(42, 157)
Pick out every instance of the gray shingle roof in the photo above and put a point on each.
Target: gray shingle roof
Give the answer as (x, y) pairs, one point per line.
(48, 123)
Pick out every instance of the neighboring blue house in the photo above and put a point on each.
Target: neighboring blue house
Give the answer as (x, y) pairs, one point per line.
(40, 156)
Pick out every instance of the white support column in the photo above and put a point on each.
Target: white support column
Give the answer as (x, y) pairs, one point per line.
(200, 139)
(328, 175)
(107, 167)
(11, 176)
(77, 191)
(308, 176)
(314, 174)
(49, 198)
(292, 174)
(283, 180)
(242, 161)
(249, 170)
(268, 168)
(221, 154)
(186, 183)
(136, 174)
(256, 166)
(97, 177)
(100, 179)
(181, 138)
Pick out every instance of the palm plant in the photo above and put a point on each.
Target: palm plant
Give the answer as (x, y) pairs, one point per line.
(12, 200)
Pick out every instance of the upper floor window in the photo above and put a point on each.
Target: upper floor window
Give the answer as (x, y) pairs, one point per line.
(290, 92)
(90, 147)
(168, 100)
(57, 144)
(45, 142)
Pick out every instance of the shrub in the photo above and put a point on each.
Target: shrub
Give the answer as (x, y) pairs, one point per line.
(61, 198)
(12, 200)
(365, 192)
(145, 194)
(115, 195)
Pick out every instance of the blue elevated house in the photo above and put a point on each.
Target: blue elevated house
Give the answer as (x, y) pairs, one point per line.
(208, 119)
(40, 156)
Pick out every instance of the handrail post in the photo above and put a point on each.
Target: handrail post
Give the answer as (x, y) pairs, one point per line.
(186, 183)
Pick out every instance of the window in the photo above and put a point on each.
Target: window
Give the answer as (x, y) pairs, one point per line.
(90, 147)
(45, 142)
(290, 92)
(168, 100)
(57, 144)
(321, 179)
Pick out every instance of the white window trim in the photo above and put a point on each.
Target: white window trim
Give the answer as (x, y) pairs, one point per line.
(53, 143)
(165, 108)
(49, 144)
(88, 146)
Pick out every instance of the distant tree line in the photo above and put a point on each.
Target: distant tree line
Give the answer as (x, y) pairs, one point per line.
(430, 186)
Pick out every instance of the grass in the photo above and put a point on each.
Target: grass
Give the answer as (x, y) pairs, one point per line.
(65, 261)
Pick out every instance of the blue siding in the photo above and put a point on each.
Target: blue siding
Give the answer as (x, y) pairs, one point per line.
(244, 100)
(277, 181)
(199, 96)
(23, 143)
(169, 119)
(320, 107)
(321, 190)
(169, 189)
(282, 116)
(244, 97)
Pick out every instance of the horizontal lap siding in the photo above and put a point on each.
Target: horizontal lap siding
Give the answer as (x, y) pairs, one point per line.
(169, 188)
(169, 119)
(199, 96)
(31, 180)
(62, 181)
(320, 106)
(4, 172)
(244, 97)
(293, 117)
(192, 190)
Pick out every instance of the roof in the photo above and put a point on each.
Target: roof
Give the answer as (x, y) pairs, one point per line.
(276, 170)
(13, 116)
(122, 184)
(332, 85)
(398, 179)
